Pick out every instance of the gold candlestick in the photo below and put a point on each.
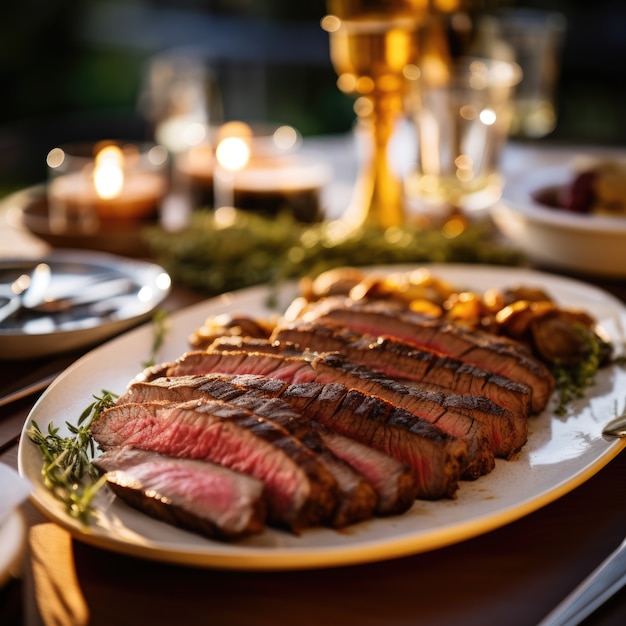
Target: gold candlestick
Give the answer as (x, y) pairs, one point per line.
(374, 44)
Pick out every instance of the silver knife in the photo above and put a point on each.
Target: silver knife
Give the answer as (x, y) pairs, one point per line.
(39, 283)
(89, 294)
(605, 581)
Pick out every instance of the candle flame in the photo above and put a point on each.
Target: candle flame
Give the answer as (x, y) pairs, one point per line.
(233, 153)
(108, 176)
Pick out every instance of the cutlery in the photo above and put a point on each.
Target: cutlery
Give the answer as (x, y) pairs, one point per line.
(88, 294)
(616, 427)
(27, 291)
(93, 291)
(28, 390)
(36, 377)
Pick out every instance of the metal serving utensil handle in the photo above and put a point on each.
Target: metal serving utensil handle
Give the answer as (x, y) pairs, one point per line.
(605, 581)
(616, 427)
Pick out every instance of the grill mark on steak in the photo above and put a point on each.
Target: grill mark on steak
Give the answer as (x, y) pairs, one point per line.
(356, 500)
(500, 404)
(505, 431)
(488, 351)
(393, 484)
(401, 360)
(300, 490)
(436, 459)
(487, 429)
(449, 412)
(367, 369)
(202, 497)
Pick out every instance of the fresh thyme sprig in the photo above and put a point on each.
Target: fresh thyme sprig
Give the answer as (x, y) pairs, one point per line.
(67, 470)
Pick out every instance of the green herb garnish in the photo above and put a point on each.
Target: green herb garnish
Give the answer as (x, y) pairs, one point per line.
(67, 470)
(254, 249)
(573, 379)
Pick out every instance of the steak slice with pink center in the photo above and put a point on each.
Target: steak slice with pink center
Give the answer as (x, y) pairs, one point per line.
(489, 352)
(451, 413)
(300, 490)
(198, 496)
(393, 483)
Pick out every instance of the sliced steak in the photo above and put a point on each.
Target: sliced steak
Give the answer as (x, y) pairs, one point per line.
(392, 482)
(400, 360)
(198, 496)
(437, 459)
(487, 428)
(490, 352)
(300, 490)
(503, 434)
(356, 500)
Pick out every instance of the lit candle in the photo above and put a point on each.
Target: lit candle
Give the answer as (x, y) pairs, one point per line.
(231, 155)
(276, 176)
(121, 182)
(283, 183)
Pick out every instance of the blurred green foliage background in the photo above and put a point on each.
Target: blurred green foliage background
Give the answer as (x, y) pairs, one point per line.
(72, 69)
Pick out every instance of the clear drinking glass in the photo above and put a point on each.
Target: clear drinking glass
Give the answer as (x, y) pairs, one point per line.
(462, 113)
(533, 38)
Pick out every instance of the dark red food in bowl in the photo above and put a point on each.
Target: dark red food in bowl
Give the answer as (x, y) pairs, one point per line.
(578, 197)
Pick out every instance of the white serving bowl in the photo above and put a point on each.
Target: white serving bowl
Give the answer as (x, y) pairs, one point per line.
(587, 244)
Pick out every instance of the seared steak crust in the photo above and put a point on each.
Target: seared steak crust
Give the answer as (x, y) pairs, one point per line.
(495, 354)
(488, 429)
(392, 482)
(404, 375)
(449, 412)
(401, 360)
(356, 499)
(300, 490)
(438, 460)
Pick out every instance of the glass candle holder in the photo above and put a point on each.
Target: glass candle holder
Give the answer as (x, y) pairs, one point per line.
(104, 182)
(277, 176)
